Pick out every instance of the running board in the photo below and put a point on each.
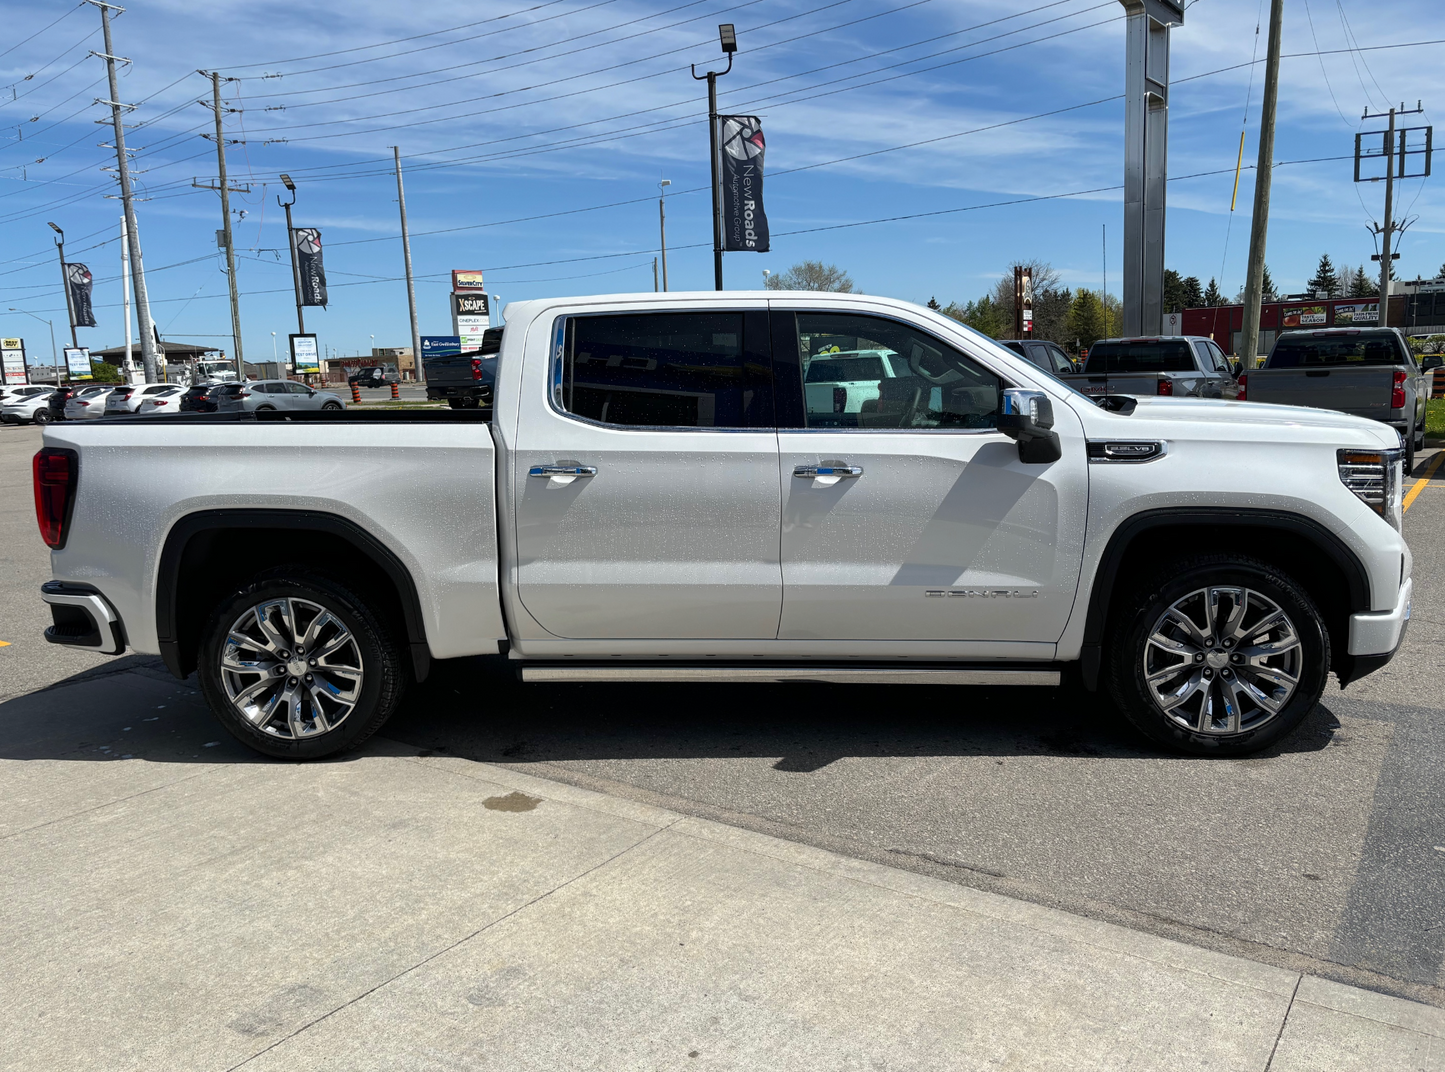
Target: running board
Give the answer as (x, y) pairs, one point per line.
(829, 674)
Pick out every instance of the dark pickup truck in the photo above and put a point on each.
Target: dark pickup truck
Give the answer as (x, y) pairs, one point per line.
(1365, 372)
(1182, 366)
(465, 380)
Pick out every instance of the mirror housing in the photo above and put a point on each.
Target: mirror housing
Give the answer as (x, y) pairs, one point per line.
(1027, 417)
(1235, 368)
(1431, 361)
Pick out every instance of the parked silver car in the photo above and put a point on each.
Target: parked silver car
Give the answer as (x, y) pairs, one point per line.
(163, 402)
(128, 399)
(88, 402)
(262, 396)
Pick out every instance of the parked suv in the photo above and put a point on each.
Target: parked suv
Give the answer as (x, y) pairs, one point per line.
(1049, 356)
(264, 396)
(374, 376)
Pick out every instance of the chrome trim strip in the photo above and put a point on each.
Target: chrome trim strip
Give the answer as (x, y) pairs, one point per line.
(822, 674)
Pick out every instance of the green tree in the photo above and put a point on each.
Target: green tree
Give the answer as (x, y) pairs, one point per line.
(1325, 282)
(984, 316)
(1174, 293)
(1050, 303)
(1361, 286)
(812, 275)
(1212, 297)
(1089, 319)
(104, 372)
(1268, 288)
(1193, 292)
(933, 304)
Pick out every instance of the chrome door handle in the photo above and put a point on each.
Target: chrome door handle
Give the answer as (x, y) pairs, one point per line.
(562, 470)
(827, 470)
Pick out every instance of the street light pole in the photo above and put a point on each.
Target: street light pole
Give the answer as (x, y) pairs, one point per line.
(54, 354)
(662, 223)
(65, 284)
(291, 246)
(729, 40)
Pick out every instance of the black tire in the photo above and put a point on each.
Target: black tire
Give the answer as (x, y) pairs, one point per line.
(377, 653)
(1131, 651)
(265, 409)
(332, 407)
(42, 416)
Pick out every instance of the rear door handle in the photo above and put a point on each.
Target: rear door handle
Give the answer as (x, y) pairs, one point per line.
(1317, 372)
(562, 470)
(827, 470)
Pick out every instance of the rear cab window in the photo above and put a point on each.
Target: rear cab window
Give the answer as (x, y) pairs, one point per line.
(1161, 355)
(1334, 351)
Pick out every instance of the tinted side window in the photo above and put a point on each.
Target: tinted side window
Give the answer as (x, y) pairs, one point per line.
(1221, 363)
(297, 389)
(1163, 356)
(691, 370)
(913, 381)
(1061, 360)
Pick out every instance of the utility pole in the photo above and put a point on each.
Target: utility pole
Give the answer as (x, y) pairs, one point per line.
(65, 283)
(291, 246)
(662, 223)
(1263, 177)
(410, 282)
(125, 301)
(1396, 151)
(226, 190)
(137, 269)
(728, 37)
(654, 275)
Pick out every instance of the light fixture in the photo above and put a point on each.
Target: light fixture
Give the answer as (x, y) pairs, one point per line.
(286, 181)
(56, 229)
(728, 36)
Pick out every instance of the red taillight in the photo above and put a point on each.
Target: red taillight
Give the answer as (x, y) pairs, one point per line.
(1397, 392)
(1166, 386)
(243, 394)
(1243, 395)
(840, 399)
(78, 402)
(158, 403)
(56, 472)
(476, 368)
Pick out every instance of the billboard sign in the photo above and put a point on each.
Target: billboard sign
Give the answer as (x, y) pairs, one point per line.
(470, 316)
(1304, 316)
(1360, 313)
(77, 362)
(464, 281)
(12, 358)
(304, 356)
(440, 346)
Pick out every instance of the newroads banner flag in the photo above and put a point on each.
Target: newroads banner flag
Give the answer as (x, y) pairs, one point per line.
(78, 278)
(307, 243)
(745, 225)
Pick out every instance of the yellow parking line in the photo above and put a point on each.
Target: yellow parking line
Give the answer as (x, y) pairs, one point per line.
(4, 643)
(1424, 480)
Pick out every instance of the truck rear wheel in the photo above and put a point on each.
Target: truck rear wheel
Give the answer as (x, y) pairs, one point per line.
(1219, 656)
(298, 667)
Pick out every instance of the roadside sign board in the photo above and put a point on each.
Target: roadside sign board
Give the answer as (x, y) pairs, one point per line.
(470, 317)
(466, 281)
(305, 359)
(1303, 316)
(77, 362)
(12, 357)
(440, 346)
(1363, 313)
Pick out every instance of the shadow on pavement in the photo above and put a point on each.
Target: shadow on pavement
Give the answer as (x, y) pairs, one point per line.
(476, 709)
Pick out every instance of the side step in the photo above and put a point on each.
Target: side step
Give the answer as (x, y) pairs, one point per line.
(831, 674)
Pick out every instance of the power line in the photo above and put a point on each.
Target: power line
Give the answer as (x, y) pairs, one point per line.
(42, 29)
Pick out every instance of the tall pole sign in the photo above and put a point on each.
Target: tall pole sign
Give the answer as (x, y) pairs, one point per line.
(1023, 301)
(728, 37)
(1146, 135)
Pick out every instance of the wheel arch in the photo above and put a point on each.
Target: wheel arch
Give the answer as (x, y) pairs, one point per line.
(1303, 548)
(208, 554)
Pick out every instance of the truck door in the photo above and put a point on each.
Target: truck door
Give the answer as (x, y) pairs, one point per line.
(914, 519)
(647, 503)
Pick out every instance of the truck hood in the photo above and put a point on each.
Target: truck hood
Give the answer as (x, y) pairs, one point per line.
(1266, 423)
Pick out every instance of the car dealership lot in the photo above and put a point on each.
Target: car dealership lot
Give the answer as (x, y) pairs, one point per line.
(1319, 856)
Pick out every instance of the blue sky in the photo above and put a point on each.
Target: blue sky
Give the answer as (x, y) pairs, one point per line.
(510, 109)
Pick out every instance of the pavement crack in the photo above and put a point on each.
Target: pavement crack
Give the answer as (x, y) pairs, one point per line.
(107, 804)
(1284, 1022)
(457, 944)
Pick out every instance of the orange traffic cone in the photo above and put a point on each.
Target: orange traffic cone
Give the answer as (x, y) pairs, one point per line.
(396, 390)
(355, 393)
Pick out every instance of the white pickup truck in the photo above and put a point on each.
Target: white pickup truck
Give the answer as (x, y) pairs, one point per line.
(656, 495)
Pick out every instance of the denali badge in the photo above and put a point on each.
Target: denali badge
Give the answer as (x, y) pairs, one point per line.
(983, 593)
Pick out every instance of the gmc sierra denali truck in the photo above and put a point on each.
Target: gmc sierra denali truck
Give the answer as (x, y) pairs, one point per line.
(656, 495)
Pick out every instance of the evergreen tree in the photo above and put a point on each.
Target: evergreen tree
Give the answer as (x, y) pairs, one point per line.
(1325, 282)
(933, 304)
(1361, 286)
(1442, 272)
(1174, 292)
(1268, 289)
(1193, 293)
(1089, 321)
(1212, 297)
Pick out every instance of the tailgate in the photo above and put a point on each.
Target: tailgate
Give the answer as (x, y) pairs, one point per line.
(1363, 392)
(1096, 384)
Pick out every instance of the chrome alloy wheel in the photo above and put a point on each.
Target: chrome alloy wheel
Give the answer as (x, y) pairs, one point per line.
(1222, 660)
(291, 668)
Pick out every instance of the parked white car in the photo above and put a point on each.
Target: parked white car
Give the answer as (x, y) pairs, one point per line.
(128, 399)
(31, 408)
(654, 497)
(15, 392)
(88, 403)
(162, 402)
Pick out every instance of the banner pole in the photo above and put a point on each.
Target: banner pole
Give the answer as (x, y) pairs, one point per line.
(717, 271)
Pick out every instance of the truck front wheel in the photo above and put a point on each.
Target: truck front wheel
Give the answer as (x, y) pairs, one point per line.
(298, 667)
(1218, 656)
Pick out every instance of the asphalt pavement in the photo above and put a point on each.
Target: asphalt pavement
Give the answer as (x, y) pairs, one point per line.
(1325, 856)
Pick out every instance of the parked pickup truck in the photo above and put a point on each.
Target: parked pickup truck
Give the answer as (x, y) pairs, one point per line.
(1178, 366)
(656, 496)
(1369, 372)
(464, 380)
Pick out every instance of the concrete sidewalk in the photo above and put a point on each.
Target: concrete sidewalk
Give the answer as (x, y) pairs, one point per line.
(407, 911)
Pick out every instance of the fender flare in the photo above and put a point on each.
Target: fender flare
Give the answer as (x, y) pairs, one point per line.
(189, 526)
(1106, 577)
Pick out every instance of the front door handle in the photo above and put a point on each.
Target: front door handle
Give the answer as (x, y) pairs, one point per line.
(562, 470)
(827, 470)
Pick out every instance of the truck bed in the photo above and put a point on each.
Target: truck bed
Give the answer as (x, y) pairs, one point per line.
(1362, 391)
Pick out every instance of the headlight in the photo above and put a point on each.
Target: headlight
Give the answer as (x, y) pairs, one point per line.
(1375, 477)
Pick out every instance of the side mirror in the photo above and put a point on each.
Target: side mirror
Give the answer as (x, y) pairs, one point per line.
(1028, 418)
(1431, 361)
(1235, 368)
